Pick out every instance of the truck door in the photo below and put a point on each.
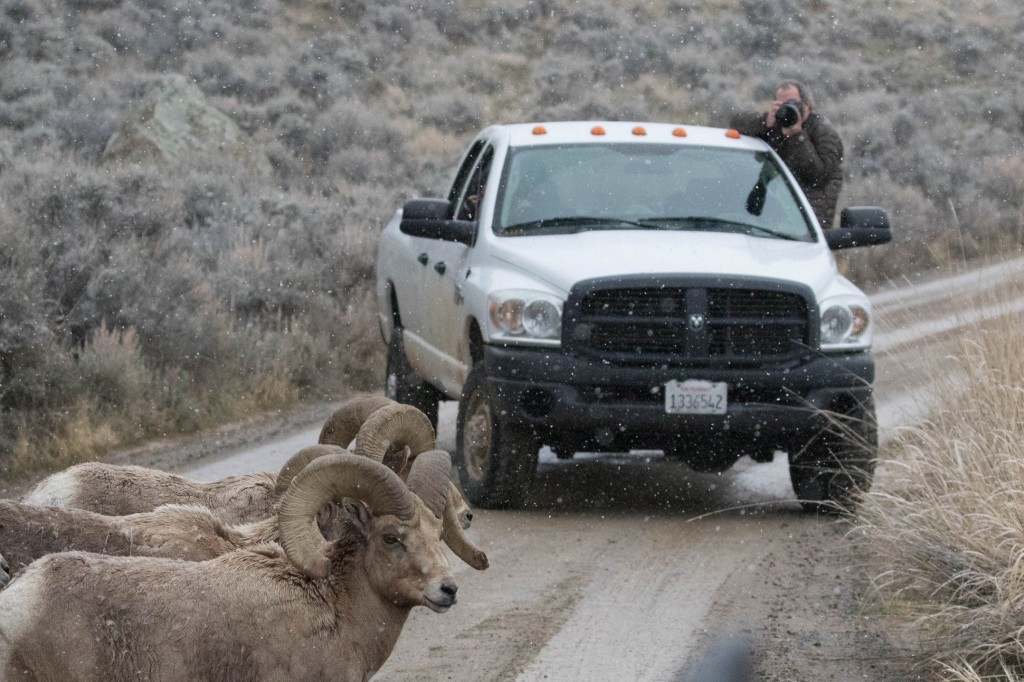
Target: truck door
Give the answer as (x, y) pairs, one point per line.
(416, 281)
(449, 270)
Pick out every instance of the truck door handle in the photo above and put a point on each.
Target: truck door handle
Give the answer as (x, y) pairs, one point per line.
(440, 267)
(422, 258)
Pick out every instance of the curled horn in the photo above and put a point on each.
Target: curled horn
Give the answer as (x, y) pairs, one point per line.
(392, 427)
(454, 536)
(396, 425)
(429, 479)
(331, 478)
(298, 462)
(343, 425)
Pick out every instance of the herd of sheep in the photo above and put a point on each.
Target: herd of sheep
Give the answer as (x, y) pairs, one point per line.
(126, 573)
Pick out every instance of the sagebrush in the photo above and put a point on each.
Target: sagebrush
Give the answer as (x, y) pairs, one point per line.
(245, 285)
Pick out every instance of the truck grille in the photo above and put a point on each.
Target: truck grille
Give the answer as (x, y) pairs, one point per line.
(753, 323)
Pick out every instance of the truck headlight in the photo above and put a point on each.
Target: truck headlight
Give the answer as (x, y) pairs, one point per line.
(523, 316)
(845, 325)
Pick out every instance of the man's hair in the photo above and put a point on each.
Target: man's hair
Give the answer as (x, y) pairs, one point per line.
(802, 90)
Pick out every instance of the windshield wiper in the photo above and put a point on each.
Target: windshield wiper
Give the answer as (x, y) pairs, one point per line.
(577, 222)
(698, 222)
(702, 222)
(772, 233)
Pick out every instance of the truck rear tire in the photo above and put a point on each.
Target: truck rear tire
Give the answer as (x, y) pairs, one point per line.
(834, 469)
(496, 458)
(402, 385)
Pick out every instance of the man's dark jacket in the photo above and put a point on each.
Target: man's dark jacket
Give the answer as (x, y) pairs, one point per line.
(814, 156)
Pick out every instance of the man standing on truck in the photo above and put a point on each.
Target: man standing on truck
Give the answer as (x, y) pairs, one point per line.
(806, 141)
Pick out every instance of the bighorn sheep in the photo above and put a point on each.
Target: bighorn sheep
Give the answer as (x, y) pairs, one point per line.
(195, 533)
(311, 611)
(344, 425)
(173, 531)
(396, 425)
(118, 490)
(133, 492)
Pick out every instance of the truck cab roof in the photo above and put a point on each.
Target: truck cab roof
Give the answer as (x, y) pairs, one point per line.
(581, 132)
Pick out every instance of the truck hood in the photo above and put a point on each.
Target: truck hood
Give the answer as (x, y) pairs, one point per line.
(563, 260)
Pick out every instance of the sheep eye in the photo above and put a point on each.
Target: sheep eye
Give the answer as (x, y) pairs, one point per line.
(390, 538)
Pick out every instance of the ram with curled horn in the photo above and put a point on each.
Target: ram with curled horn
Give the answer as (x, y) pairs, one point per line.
(406, 430)
(303, 610)
(174, 531)
(402, 432)
(340, 430)
(342, 426)
(119, 490)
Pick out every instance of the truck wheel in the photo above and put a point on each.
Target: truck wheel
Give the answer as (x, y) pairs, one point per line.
(839, 464)
(402, 385)
(496, 458)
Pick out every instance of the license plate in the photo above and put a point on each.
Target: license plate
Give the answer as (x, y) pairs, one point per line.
(694, 396)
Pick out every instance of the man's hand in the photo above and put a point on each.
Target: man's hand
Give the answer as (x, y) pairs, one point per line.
(797, 127)
(771, 113)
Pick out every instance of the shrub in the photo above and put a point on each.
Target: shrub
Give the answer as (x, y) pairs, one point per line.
(454, 111)
(359, 106)
(112, 370)
(945, 528)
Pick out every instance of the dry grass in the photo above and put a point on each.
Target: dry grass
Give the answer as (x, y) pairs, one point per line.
(947, 526)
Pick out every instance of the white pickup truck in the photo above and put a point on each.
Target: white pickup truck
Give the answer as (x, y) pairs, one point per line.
(606, 286)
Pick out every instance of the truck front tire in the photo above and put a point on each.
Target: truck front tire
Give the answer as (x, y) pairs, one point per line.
(496, 457)
(835, 468)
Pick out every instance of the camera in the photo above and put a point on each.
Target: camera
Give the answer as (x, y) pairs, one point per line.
(789, 112)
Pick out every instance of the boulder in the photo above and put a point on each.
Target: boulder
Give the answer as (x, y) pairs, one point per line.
(175, 124)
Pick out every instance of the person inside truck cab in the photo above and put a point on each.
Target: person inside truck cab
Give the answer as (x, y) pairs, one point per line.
(475, 189)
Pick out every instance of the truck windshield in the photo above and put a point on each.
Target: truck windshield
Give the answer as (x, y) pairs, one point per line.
(571, 188)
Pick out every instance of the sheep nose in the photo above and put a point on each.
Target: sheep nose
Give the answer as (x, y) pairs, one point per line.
(449, 587)
(469, 516)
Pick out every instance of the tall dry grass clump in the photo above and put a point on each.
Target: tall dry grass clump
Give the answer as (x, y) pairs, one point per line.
(946, 524)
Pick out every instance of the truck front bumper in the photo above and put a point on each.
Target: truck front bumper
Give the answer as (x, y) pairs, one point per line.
(584, 402)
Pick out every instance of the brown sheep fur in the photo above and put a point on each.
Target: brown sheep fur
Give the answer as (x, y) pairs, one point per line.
(194, 533)
(246, 615)
(115, 490)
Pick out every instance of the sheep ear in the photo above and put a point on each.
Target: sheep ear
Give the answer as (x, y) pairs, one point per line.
(359, 513)
(331, 521)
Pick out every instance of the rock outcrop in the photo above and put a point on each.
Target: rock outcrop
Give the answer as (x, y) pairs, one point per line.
(175, 124)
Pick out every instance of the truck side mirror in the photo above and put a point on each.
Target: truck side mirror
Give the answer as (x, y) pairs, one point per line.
(430, 219)
(859, 226)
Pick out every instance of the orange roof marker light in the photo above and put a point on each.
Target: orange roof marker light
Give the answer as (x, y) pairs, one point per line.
(540, 130)
(597, 130)
(732, 134)
(679, 132)
(639, 130)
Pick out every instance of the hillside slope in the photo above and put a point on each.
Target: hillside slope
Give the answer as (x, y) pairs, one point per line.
(142, 299)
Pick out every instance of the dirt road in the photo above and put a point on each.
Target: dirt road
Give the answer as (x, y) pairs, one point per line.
(630, 567)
